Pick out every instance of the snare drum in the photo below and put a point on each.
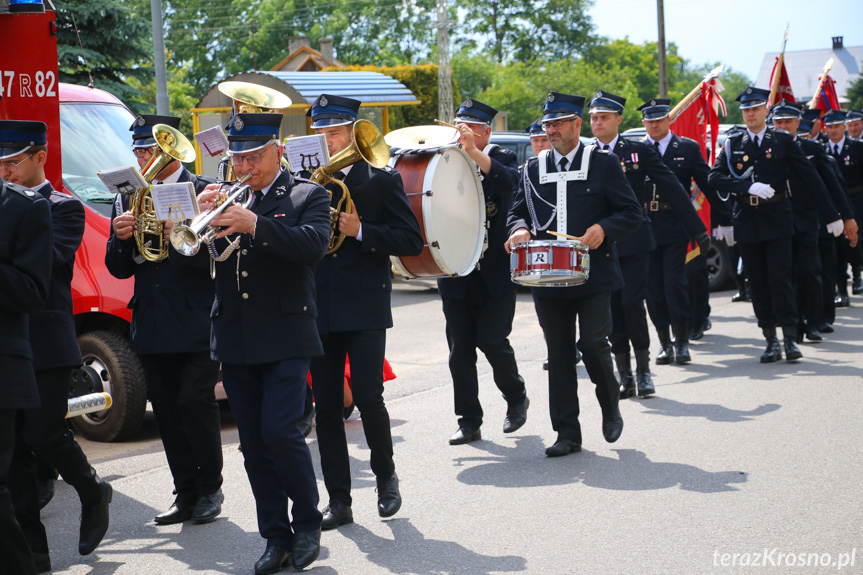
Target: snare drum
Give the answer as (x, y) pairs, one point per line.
(550, 263)
(446, 197)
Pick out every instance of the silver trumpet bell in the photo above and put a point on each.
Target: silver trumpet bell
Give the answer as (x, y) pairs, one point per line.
(187, 239)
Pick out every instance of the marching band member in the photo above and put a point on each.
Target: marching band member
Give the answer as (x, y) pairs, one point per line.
(25, 276)
(264, 332)
(752, 170)
(43, 430)
(479, 307)
(353, 295)
(604, 210)
(170, 333)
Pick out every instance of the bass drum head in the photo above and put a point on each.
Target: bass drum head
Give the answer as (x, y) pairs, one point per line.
(454, 215)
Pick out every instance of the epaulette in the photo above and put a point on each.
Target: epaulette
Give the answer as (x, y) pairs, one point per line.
(26, 192)
(735, 135)
(786, 132)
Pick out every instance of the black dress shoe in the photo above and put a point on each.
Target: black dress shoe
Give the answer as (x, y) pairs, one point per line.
(208, 507)
(335, 514)
(813, 334)
(516, 416)
(182, 510)
(273, 560)
(563, 447)
(857, 286)
(45, 492)
(708, 325)
(627, 386)
(695, 334)
(545, 364)
(94, 520)
(612, 427)
(826, 328)
(389, 498)
(842, 301)
(465, 435)
(42, 562)
(306, 548)
(645, 384)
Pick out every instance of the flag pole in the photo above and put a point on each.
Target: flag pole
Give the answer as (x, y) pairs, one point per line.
(813, 103)
(684, 103)
(777, 71)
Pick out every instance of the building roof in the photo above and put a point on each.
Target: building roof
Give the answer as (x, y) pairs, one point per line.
(304, 58)
(370, 88)
(804, 67)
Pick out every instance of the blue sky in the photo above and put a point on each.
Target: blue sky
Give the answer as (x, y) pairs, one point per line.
(736, 33)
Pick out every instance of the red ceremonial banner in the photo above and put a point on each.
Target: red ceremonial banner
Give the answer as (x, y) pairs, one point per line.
(828, 100)
(785, 91)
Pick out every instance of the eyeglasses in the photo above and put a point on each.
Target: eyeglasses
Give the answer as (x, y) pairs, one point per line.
(557, 124)
(143, 152)
(13, 166)
(251, 159)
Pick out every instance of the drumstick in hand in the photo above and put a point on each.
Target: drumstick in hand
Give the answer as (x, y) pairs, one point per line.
(560, 235)
(442, 123)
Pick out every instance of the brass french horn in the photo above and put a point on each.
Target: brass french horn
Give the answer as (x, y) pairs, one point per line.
(170, 145)
(369, 145)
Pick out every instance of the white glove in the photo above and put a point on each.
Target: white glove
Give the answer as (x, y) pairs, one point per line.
(836, 228)
(725, 233)
(763, 191)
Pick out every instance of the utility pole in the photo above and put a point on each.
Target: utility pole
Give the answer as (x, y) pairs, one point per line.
(444, 74)
(163, 105)
(663, 65)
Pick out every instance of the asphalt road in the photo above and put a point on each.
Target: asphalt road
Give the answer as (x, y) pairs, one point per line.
(733, 467)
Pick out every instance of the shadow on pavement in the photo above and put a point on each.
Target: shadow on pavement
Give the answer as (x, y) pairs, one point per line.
(709, 411)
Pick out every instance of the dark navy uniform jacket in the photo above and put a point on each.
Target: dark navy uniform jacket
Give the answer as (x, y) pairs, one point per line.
(172, 299)
(52, 330)
(774, 162)
(354, 283)
(265, 308)
(498, 186)
(812, 210)
(604, 198)
(639, 162)
(683, 157)
(850, 160)
(25, 274)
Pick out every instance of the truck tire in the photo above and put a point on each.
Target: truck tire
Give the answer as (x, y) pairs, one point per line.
(719, 266)
(116, 368)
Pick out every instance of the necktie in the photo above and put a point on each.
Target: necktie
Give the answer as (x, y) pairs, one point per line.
(656, 145)
(562, 164)
(836, 150)
(756, 141)
(605, 147)
(340, 175)
(259, 195)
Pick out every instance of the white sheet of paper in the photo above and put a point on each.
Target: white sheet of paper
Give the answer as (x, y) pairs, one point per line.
(175, 202)
(213, 141)
(123, 180)
(307, 152)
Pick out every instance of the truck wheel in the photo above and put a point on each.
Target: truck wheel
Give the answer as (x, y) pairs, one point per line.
(719, 266)
(111, 366)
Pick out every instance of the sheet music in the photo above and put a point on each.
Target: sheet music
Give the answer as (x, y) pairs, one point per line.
(123, 180)
(213, 141)
(175, 202)
(307, 152)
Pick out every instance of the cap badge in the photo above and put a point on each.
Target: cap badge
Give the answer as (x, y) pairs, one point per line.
(551, 97)
(323, 102)
(141, 120)
(653, 102)
(749, 90)
(468, 103)
(598, 94)
(239, 124)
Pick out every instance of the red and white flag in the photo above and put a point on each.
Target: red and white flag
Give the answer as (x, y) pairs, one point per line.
(827, 98)
(784, 92)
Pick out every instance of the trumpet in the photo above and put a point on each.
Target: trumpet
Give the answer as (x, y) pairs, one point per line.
(187, 239)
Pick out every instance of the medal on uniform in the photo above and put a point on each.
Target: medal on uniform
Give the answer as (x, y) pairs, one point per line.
(745, 159)
(739, 166)
(634, 166)
(768, 152)
(622, 165)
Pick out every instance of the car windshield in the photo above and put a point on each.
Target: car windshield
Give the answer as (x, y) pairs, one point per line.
(95, 137)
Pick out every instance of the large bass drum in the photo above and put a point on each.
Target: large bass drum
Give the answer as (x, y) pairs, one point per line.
(445, 194)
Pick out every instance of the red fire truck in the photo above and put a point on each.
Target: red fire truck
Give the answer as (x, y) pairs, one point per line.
(88, 130)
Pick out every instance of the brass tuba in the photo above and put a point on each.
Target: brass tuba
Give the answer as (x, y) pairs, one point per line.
(170, 145)
(369, 145)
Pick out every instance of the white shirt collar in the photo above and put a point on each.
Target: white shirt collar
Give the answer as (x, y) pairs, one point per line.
(267, 189)
(760, 134)
(173, 178)
(569, 157)
(663, 143)
(611, 144)
(840, 143)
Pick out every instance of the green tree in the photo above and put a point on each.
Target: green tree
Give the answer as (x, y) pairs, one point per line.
(524, 30)
(855, 94)
(114, 46)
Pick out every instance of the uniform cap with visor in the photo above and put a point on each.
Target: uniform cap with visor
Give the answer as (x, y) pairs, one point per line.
(328, 110)
(250, 132)
(18, 136)
(142, 128)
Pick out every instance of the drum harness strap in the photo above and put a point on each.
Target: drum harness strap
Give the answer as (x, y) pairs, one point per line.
(562, 178)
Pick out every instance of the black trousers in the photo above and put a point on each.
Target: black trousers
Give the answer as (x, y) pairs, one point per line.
(267, 402)
(807, 276)
(827, 254)
(769, 269)
(845, 255)
(13, 546)
(366, 352)
(480, 321)
(628, 317)
(699, 290)
(43, 430)
(180, 386)
(594, 324)
(668, 286)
